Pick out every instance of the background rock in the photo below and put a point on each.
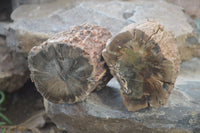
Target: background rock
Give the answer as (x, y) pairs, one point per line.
(24, 33)
(3, 28)
(190, 6)
(13, 68)
(39, 10)
(17, 3)
(60, 15)
(171, 16)
(104, 111)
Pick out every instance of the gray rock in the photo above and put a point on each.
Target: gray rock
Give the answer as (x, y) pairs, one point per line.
(3, 28)
(170, 16)
(24, 33)
(13, 68)
(33, 21)
(191, 7)
(17, 3)
(38, 10)
(103, 111)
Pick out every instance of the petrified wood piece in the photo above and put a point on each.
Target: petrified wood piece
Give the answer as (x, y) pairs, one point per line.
(145, 61)
(68, 66)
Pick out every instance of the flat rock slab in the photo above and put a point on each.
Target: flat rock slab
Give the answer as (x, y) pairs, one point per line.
(104, 111)
(32, 22)
(25, 33)
(190, 6)
(17, 3)
(40, 9)
(169, 15)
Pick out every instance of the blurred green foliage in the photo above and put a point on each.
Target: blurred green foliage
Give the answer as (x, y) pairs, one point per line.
(7, 121)
(197, 22)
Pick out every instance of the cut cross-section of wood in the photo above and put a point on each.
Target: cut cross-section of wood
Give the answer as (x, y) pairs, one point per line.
(144, 59)
(69, 66)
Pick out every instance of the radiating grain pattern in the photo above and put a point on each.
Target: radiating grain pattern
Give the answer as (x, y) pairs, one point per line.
(145, 61)
(69, 66)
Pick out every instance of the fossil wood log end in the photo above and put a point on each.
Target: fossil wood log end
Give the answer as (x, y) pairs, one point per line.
(144, 59)
(69, 66)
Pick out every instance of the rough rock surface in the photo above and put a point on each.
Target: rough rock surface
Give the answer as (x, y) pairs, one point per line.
(39, 10)
(171, 16)
(137, 11)
(69, 66)
(104, 111)
(190, 6)
(17, 3)
(3, 28)
(13, 68)
(144, 59)
(34, 24)
(24, 33)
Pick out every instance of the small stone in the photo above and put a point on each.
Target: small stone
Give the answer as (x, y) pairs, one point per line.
(144, 59)
(69, 66)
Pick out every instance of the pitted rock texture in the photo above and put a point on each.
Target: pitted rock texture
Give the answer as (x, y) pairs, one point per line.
(144, 59)
(13, 68)
(69, 66)
(104, 111)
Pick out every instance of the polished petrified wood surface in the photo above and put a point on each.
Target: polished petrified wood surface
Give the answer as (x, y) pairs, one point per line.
(69, 66)
(144, 59)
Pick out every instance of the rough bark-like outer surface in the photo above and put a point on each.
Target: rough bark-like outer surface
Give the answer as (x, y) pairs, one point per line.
(68, 66)
(145, 60)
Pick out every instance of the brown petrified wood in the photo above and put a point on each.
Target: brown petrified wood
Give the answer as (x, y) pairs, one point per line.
(145, 61)
(69, 66)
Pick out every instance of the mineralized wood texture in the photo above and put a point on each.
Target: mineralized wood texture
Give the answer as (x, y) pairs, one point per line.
(68, 66)
(145, 61)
